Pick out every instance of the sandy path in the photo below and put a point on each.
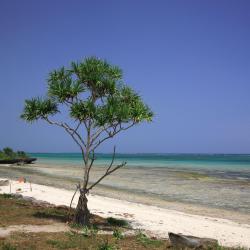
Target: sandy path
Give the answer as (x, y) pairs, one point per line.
(157, 221)
(52, 228)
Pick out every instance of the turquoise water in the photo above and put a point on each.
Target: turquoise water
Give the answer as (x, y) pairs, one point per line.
(233, 162)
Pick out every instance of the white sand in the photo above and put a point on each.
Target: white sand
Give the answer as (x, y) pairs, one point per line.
(156, 221)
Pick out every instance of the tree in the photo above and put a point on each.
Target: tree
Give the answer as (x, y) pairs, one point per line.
(8, 153)
(21, 155)
(99, 106)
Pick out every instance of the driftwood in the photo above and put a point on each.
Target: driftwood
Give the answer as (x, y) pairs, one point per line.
(185, 241)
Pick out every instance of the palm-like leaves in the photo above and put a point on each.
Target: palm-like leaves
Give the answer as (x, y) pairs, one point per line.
(38, 108)
(97, 75)
(83, 110)
(123, 107)
(62, 87)
(93, 89)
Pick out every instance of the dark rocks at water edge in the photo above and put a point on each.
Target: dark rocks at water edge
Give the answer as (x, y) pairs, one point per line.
(18, 161)
(181, 241)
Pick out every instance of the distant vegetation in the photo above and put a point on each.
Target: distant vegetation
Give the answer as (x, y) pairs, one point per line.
(8, 154)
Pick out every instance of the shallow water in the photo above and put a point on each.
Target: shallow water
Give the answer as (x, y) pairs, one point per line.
(224, 162)
(154, 185)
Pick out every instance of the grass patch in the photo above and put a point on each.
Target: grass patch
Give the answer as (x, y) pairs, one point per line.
(70, 240)
(15, 212)
(96, 223)
(148, 242)
(86, 231)
(8, 246)
(106, 246)
(62, 244)
(6, 196)
(218, 247)
(52, 213)
(117, 222)
(117, 234)
(75, 241)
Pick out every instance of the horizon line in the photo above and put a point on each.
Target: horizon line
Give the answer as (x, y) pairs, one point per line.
(162, 153)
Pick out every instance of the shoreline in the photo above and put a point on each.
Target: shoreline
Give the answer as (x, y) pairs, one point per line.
(154, 220)
(67, 177)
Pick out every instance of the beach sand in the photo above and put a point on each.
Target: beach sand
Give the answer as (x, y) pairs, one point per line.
(154, 220)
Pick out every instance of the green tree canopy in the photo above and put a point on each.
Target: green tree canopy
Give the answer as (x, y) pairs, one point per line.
(94, 91)
(9, 154)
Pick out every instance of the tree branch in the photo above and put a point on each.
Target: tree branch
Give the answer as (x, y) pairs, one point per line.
(70, 131)
(77, 187)
(108, 171)
(74, 131)
(113, 158)
(90, 166)
(106, 174)
(110, 134)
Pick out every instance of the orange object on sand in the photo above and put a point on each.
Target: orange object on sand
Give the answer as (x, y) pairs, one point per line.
(21, 179)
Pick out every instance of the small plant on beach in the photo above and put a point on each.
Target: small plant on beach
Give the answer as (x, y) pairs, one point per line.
(93, 230)
(7, 196)
(85, 231)
(118, 234)
(106, 246)
(117, 222)
(8, 246)
(52, 213)
(99, 106)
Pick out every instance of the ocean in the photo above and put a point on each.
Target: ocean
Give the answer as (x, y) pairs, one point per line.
(204, 161)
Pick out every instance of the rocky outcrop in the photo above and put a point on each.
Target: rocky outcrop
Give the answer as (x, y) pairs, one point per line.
(18, 161)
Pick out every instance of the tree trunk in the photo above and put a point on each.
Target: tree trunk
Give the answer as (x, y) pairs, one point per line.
(82, 214)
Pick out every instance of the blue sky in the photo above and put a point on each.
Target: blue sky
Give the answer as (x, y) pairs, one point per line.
(190, 60)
